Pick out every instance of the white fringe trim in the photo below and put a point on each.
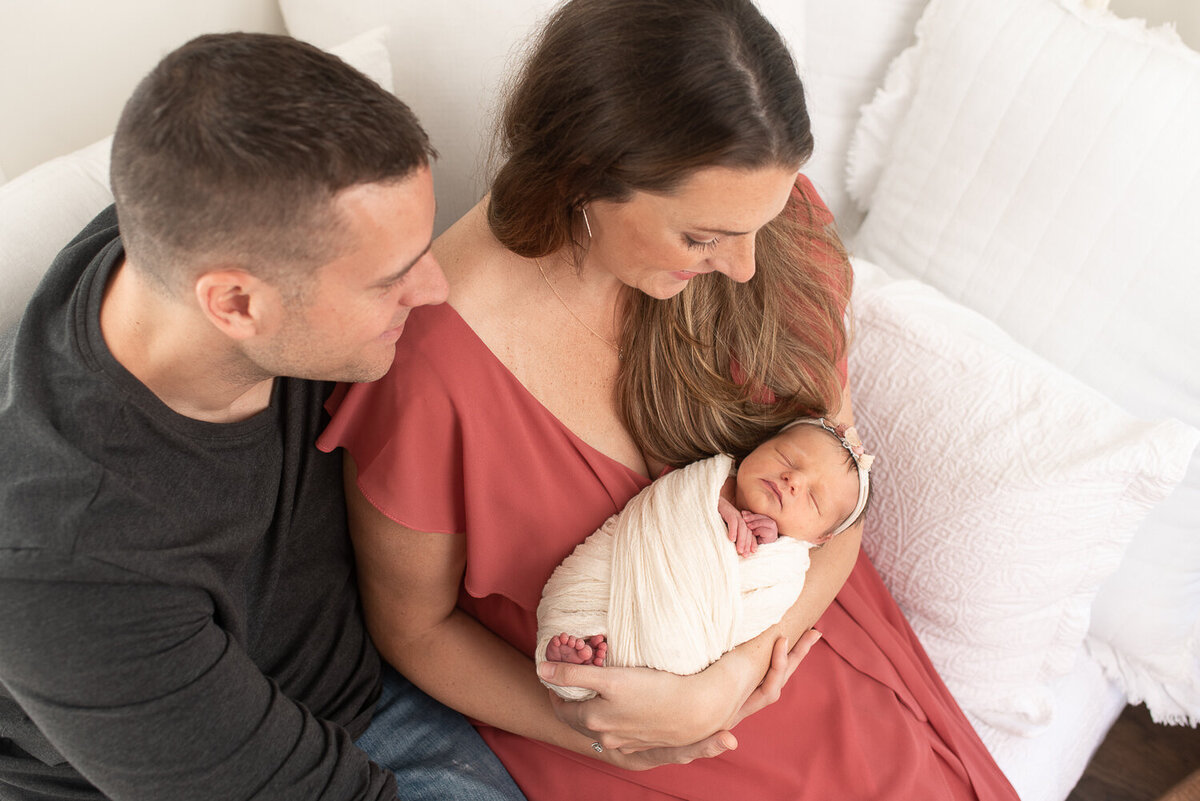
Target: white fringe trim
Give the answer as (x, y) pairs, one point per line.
(1171, 700)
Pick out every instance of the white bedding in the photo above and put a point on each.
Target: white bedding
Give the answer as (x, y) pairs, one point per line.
(1047, 767)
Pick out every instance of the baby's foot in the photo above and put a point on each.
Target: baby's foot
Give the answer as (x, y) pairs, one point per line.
(577, 650)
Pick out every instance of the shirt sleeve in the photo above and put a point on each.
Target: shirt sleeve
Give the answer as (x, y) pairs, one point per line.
(140, 690)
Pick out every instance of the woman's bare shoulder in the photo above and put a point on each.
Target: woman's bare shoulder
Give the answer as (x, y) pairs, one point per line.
(489, 285)
(482, 274)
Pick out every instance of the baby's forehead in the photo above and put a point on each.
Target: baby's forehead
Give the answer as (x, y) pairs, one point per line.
(811, 436)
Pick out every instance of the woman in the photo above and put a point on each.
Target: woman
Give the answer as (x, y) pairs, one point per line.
(649, 282)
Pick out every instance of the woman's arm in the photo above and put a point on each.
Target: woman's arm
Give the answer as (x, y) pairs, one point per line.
(409, 582)
(637, 708)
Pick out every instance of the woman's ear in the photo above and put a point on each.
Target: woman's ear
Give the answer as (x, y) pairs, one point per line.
(239, 304)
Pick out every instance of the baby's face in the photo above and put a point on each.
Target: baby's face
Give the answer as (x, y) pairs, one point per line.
(804, 479)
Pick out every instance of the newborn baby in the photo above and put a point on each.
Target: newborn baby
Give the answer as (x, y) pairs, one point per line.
(806, 484)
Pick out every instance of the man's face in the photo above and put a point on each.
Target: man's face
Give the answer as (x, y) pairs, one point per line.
(353, 310)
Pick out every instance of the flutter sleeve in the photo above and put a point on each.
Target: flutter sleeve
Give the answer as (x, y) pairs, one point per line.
(449, 442)
(405, 437)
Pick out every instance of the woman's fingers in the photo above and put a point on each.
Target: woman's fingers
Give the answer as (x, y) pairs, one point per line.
(784, 662)
(565, 674)
(707, 748)
(639, 708)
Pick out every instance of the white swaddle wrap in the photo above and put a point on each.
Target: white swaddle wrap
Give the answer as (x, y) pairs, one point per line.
(662, 581)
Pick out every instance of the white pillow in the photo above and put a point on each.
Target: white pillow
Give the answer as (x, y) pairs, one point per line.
(41, 211)
(1006, 492)
(1036, 161)
(844, 54)
(367, 52)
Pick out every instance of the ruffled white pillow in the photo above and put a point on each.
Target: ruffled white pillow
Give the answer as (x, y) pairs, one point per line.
(1035, 160)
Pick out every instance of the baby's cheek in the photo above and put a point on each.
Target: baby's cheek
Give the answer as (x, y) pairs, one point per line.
(739, 495)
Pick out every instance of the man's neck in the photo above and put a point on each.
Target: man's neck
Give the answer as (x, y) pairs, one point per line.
(177, 354)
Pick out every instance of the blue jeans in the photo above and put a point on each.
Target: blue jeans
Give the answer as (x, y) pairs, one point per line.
(433, 751)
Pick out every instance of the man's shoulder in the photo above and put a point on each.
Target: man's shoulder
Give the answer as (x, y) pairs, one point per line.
(43, 477)
(46, 473)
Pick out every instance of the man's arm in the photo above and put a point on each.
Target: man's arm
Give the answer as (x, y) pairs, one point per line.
(146, 696)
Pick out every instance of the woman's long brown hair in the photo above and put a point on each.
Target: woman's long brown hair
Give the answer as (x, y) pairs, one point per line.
(619, 96)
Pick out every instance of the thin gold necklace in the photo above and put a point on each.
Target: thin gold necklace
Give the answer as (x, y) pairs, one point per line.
(616, 348)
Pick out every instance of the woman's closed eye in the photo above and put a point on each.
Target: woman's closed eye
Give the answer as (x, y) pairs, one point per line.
(701, 244)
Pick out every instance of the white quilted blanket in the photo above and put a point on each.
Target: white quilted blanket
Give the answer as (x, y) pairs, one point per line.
(663, 582)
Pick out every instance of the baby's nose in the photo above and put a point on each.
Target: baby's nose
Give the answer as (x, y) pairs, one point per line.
(790, 480)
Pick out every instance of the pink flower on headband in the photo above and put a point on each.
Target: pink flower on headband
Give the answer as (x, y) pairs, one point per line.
(853, 443)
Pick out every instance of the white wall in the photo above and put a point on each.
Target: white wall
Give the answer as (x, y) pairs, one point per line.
(63, 82)
(1184, 13)
(67, 66)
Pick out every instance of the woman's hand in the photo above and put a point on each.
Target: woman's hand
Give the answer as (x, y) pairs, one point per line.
(639, 709)
(784, 662)
(710, 747)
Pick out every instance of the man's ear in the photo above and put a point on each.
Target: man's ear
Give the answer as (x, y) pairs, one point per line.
(239, 304)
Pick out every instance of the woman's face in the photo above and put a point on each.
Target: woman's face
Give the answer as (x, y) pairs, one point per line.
(656, 243)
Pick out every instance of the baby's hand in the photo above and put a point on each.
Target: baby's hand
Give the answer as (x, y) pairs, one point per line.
(739, 533)
(763, 528)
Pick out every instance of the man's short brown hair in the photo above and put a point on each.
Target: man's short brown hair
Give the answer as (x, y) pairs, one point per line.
(232, 149)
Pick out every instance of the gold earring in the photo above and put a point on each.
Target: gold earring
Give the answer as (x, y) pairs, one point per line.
(586, 224)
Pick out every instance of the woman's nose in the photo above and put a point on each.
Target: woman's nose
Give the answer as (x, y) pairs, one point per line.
(738, 263)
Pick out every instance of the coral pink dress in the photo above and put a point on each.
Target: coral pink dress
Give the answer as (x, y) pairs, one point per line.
(450, 441)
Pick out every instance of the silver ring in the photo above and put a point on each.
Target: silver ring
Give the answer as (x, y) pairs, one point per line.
(599, 749)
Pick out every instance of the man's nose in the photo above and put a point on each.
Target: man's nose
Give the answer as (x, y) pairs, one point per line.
(428, 286)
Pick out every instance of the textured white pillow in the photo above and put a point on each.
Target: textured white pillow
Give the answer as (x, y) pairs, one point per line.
(1006, 492)
(1036, 161)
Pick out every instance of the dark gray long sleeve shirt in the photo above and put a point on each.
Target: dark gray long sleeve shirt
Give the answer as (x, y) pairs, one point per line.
(178, 612)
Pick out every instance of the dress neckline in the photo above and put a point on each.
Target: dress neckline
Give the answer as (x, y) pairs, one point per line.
(503, 368)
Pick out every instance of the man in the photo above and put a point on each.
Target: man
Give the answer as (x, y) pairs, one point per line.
(178, 612)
